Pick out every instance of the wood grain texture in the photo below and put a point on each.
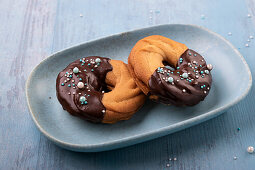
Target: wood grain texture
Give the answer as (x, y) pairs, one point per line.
(33, 29)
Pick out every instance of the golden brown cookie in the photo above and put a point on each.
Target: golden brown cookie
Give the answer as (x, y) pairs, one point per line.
(169, 72)
(99, 90)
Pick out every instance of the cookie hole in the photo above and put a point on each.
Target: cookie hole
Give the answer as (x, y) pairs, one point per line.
(168, 66)
(108, 88)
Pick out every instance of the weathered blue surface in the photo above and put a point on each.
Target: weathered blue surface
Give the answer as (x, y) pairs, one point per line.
(31, 30)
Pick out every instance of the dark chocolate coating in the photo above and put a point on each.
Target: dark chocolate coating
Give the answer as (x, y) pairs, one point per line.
(182, 91)
(92, 74)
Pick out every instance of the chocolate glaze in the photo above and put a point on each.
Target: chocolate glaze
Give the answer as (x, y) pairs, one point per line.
(182, 91)
(93, 75)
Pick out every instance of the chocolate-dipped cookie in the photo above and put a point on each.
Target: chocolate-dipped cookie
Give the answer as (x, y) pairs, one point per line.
(168, 72)
(99, 90)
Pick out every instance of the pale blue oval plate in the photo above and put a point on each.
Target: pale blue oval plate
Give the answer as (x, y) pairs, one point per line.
(231, 82)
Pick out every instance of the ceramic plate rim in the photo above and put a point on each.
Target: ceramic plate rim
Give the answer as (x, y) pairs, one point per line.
(142, 135)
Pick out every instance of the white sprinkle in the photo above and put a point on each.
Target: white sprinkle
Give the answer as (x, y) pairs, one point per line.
(103, 111)
(170, 159)
(250, 149)
(79, 71)
(79, 93)
(69, 93)
(208, 88)
(246, 45)
(251, 37)
(175, 159)
(185, 75)
(197, 76)
(65, 75)
(209, 66)
(97, 60)
(73, 87)
(183, 90)
(177, 80)
(235, 158)
(96, 66)
(167, 165)
(229, 33)
(172, 83)
(102, 91)
(65, 81)
(205, 92)
(81, 15)
(248, 40)
(88, 90)
(249, 15)
(72, 80)
(151, 11)
(80, 85)
(73, 92)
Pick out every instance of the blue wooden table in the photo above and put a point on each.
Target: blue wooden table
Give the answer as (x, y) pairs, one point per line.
(30, 30)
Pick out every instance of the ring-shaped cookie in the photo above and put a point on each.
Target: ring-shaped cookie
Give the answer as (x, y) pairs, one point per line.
(168, 72)
(99, 90)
